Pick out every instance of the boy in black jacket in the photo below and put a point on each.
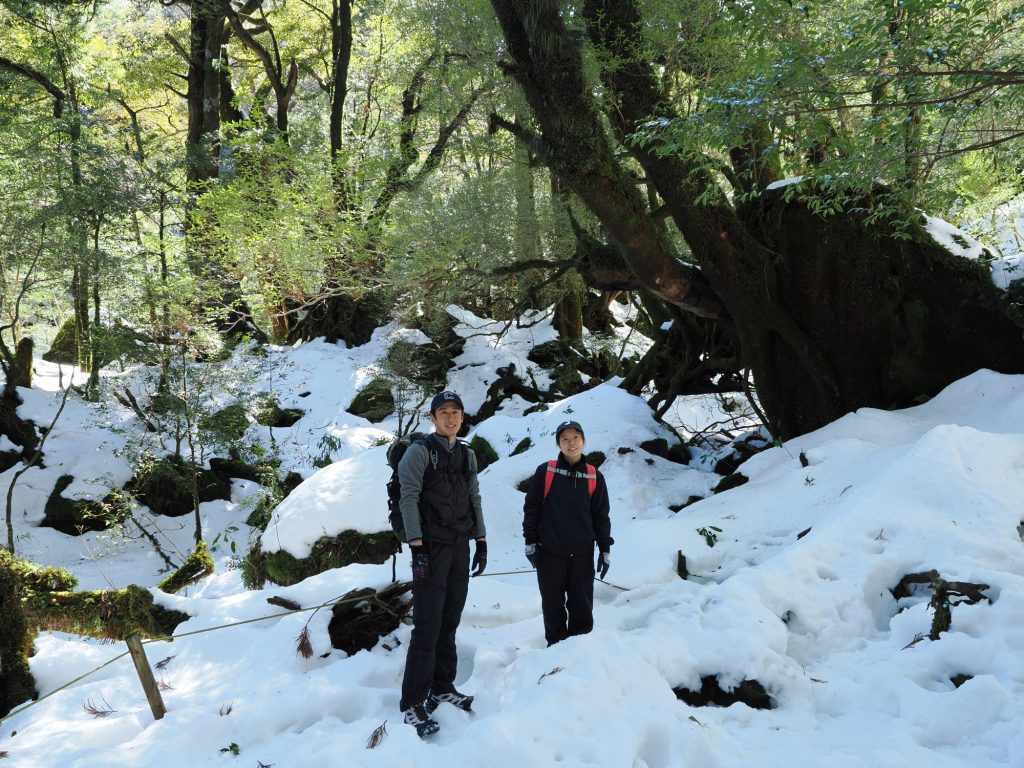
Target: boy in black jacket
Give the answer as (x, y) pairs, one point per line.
(565, 513)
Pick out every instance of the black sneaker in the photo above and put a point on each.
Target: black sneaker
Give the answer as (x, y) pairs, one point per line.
(417, 716)
(453, 697)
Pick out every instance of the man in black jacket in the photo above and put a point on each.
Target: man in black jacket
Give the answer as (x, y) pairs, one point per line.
(565, 513)
(441, 510)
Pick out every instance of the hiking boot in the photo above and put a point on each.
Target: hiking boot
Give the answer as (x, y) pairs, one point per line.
(417, 716)
(453, 697)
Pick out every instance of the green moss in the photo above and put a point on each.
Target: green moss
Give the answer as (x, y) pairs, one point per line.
(329, 552)
(63, 349)
(112, 614)
(197, 565)
(485, 454)
(16, 682)
(40, 578)
(109, 343)
(374, 402)
(524, 485)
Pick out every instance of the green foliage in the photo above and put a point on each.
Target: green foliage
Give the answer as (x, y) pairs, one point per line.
(853, 93)
(227, 425)
(270, 495)
(710, 534)
(328, 445)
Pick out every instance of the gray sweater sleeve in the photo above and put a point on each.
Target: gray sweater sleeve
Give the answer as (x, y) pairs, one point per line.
(410, 476)
(474, 497)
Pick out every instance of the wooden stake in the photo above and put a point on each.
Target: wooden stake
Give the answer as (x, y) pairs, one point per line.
(156, 702)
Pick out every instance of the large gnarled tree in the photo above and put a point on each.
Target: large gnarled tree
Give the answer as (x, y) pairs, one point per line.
(831, 313)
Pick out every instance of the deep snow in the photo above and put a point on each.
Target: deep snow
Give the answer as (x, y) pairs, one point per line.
(812, 618)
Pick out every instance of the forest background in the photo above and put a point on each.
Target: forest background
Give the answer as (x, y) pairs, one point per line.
(300, 169)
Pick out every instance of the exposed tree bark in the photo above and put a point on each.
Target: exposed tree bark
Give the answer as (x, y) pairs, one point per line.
(202, 142)
(341, 56)
(548, 65)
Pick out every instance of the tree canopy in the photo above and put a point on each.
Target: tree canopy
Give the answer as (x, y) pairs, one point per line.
(303, 167)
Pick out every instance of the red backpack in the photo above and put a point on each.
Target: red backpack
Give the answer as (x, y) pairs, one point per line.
(549, 477)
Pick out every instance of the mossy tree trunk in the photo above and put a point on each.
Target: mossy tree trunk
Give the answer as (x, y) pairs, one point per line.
(16, 682)
(111, 614)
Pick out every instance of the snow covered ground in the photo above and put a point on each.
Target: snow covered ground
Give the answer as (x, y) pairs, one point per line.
(854, 679)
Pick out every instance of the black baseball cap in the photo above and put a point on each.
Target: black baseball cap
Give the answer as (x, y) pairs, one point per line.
(446, 397)
(568, 425)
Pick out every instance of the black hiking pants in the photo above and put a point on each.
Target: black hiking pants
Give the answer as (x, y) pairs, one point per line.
(566, 594)
(437, 605)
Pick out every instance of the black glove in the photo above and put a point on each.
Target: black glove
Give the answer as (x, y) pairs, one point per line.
(479, 557)
(420, 563)
(604, 562)
(531, 554)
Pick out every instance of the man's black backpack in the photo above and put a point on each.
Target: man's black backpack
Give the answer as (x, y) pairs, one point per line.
(395, 453)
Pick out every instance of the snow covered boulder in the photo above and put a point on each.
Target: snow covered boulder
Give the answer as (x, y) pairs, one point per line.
(336, 517)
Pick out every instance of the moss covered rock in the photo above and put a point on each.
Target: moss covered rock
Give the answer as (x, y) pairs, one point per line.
(109, 343)
(361, 617)
(522, 446)
(329, 552)
(677, 452)
(269, 413)
(75, 516)
(485, 454)
(165, 486)
(374, 402)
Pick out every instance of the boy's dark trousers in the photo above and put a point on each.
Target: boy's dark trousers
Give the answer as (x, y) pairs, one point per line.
(437, 605)
(566, 582)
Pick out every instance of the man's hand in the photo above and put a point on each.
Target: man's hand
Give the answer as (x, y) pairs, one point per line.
(480, 557)
(420, 562)
(604, 562)
(531, 554)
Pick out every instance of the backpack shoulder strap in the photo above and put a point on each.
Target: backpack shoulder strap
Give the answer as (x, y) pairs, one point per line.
(432, 455)
(549, 476)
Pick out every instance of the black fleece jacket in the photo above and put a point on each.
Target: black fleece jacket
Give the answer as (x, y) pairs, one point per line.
(569, 521)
